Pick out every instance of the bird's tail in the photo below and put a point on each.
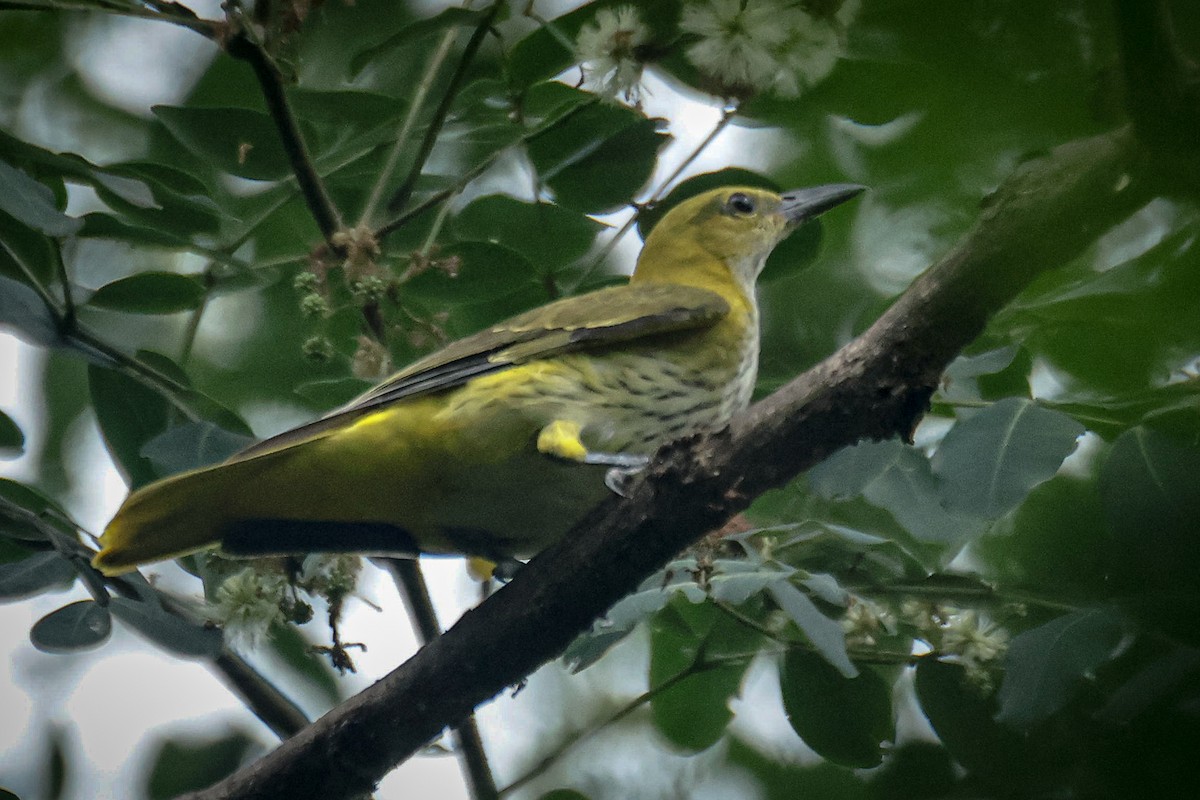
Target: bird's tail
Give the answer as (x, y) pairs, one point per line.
(173, 517)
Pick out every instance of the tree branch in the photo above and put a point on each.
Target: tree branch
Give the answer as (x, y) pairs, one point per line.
(875, 387)
(401, 196)
(410, 581)
(242, 47)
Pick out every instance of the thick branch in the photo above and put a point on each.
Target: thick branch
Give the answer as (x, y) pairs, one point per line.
(875, 387)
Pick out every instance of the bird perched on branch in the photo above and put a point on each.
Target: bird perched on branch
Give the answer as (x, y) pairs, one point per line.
(499, 443)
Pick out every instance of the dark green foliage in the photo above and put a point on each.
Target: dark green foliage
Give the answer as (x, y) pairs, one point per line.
(182, 765)
(78, 626)
(1052, 496)
(846, 720)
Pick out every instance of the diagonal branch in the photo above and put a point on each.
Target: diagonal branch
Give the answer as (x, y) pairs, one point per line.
(410, 580)
(402, 195)
(875, 387)
(320, 205)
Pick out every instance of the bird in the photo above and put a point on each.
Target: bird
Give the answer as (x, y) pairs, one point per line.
(497, 444)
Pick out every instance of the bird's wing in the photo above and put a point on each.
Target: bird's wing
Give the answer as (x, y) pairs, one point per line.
(591, 321)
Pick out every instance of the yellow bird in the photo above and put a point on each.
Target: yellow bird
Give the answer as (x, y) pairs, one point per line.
(497, 444)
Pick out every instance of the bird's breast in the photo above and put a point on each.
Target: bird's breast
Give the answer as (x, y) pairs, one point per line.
(635, 400)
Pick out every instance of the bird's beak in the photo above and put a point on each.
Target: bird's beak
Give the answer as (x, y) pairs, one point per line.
(800, 205)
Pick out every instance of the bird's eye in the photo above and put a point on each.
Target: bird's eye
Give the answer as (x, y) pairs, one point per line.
(740, 204)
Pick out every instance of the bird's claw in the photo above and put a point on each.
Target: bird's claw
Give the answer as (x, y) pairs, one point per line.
(619, 479)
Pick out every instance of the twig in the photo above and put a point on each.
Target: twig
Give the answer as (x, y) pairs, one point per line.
(73, 333)
(242, 47)
(205, 27)
(402, 195)
(414, 110)
(701, 664)
(410, 581)
(193, 324)
(265, 701)
(471, 174)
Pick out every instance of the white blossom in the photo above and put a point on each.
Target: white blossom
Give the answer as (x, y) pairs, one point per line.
(865, 619)
(248, 603)
(976, 640)
(749, 46)
(607, 48)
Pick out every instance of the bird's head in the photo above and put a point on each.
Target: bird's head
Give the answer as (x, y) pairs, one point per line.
(732, 229)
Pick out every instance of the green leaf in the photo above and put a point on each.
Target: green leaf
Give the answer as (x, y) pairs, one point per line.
(1148, 484)
(915, 770)
(989, 461)
(32, 203)
(449, 18)
(185, 765)
(898, 478)
(23, 310)
(192, 445)
(40, 572)
(1162, 680)
(182, 204)
(784, 779)
(693, 712)
(20, 505)
(963, 716)
(1058, 537)
(1045, 666)
(239, 141)
(733, 581)
(597, 160)
(12, 440)
(129, 415)
(994, 374)
(563, 794)
(82, 625)
(549, 235)
(825, 634)
(98, 225)
(167, 630)
(150, 293)
(839, 547)
(491, 283)
(845, 720)
(650, 598)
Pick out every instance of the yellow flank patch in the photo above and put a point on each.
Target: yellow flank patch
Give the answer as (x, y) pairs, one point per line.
(561, 438)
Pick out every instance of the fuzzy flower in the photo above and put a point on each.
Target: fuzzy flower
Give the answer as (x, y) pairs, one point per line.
(925, 617)
(317, 349)
(248, 603)
(750, 46)
(864, 620)
(974, 639)
(371, 360)
(330, 575)
(607, 47)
